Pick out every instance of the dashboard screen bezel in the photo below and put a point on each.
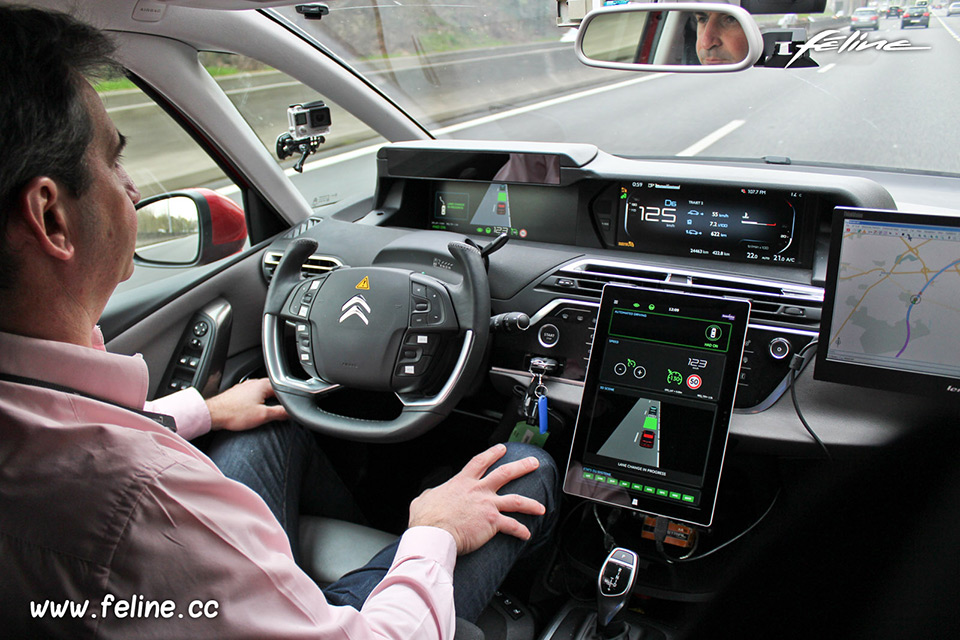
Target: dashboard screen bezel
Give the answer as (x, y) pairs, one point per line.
(865, 375)
(733, 310)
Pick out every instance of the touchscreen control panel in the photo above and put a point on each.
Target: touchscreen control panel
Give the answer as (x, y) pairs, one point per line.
(657, 401)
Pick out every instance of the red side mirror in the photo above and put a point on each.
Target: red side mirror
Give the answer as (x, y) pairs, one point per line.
(189, 228)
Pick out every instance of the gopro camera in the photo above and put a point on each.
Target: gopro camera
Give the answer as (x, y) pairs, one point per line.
(308, 120)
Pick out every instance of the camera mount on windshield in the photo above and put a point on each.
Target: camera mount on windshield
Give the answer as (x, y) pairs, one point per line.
(307, 124)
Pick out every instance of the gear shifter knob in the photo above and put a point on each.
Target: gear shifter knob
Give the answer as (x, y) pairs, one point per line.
(614, 586)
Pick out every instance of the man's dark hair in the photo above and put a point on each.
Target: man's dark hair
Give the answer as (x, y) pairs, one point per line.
(45, 128)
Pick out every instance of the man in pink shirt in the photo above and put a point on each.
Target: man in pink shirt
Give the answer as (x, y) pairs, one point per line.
(107, 511)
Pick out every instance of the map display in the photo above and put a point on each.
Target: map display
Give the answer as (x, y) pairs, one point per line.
(897, 302)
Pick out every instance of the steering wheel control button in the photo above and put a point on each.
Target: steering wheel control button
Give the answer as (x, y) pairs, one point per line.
(302, 297)
(779, 348)
(410, 354)
(430, 306)
(413, 369)
(549, 336)
(425, 342)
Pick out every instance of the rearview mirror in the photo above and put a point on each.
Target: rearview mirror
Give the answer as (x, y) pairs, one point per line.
(188, 228)
(690, 37)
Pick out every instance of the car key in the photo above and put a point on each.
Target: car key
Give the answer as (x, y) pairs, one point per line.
(535, 399)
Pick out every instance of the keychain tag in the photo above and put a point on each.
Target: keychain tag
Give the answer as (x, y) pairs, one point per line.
(542, 413)
(525, 433)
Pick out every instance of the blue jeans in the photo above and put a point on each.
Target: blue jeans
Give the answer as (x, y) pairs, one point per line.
(275, 460)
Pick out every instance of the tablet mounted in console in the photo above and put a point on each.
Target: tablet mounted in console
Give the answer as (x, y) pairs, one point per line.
(658, 396)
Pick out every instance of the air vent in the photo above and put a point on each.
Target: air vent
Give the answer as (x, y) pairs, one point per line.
(314, 265)
(299, 230)
(773, 302)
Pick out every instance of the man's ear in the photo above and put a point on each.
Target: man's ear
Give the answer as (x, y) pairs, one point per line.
(43, 211)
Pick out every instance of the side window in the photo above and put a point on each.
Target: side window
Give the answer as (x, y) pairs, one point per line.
(344, 167)
(160, 157)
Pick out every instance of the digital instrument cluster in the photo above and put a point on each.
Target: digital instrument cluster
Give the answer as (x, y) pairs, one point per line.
(734, 223)
(738, 224)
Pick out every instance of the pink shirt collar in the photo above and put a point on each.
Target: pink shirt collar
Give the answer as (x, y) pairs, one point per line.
(117, 378)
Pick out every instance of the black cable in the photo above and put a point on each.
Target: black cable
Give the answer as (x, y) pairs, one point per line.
(566, 558)
(609, 542)
(670, 559)
(795, 365)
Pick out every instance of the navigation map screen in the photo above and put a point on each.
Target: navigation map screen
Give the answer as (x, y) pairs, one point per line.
(657, 400)
(891, 317)
(745, 224)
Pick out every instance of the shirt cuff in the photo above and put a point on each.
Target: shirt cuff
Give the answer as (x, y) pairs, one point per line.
(188, 409)
(432, 543)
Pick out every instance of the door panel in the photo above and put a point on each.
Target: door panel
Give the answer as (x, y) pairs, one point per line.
(158, 336)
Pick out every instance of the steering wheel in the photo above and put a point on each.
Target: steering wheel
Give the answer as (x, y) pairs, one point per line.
(377, 329)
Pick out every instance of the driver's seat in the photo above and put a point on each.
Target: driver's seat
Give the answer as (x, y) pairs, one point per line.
(330, 548)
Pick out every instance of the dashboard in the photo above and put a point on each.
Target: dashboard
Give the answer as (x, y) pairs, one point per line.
(576, 219)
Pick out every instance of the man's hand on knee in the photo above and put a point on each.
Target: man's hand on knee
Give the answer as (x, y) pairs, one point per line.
(469, 507)
(243, 407)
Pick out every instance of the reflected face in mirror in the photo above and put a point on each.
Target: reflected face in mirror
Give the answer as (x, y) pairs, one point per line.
(720, 38)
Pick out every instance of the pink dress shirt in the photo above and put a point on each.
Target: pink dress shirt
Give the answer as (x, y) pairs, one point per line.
(100, 505)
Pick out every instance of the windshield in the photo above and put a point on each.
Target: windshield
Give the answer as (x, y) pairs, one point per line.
(506, 71)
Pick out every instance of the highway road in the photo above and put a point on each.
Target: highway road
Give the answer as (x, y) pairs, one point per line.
(870, 108)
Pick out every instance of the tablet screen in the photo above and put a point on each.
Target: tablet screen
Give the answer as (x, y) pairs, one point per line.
(890, 315)
(658, 396)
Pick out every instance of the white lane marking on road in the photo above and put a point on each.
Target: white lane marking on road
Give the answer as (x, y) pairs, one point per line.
(706, 141)
(826, 68)
(947, 27)
(542, 105)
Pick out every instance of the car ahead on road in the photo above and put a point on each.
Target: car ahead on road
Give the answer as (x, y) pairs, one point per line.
(865, 18)
(914, 16)
(450, 125)
(953, 8)
(894, 11)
